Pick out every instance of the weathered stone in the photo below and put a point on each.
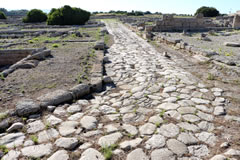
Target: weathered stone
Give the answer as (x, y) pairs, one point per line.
(107, 109)
(128, 145)
(68, 127)
(11, 155)
(109, 139)
(155, 119)
(89, 122)
(52, 120)
(55, 98)
(177, 147)
(169, 130)
(187, 139)
(232, 152)
(147, 129)
(60, 111)
(219, 110)
(191, 118)
(37, 151)
(47, 135)
(219, 157)
(198, 150)
(111, 128)
(188, 126)
(59, 155)
(35, 126)
(27, 107)
(130, 129)
(156, 141)
(74, 109)
(169, 89)
(15, 127)
(76, 117)
(232, 44)
(137, 154)
(162, 154)
(80, 90)
(168, 106)
(91, 154)
(67, 143)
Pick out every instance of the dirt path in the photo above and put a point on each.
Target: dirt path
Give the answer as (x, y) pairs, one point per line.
(157, 111)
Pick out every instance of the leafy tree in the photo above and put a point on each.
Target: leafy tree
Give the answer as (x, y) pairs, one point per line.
(2, 15)
(208, 11)
(147, 12)
(68, 16)
(35, 15)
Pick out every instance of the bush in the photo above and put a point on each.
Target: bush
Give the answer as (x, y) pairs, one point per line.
(208, 11)
(2, 15)
(68, 16)
(35, 15)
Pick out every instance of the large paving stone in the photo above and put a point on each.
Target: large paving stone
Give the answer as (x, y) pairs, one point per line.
(207, 137)
(219, 157)
(199, 150)
(59, 155)
(35, 126)
(169, 106)
(169, 130)
(74, 109)
(27, 107)
(12, 140)
(67, 143)
(156, 141)
(177, 147)
(12, 155)
(55, 98)
(130, 129)
(162, 154)
(52, 120)
(187, 139)
(127, 145)
(137, 154)
(91, 154)
(68, 127)
(89, 122)
(47, 135)
(109, 139)
(37, 151)
(147, 129)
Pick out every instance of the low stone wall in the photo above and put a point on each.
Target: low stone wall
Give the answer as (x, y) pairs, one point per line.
(169, 23)
(11, 56)
(25, 58)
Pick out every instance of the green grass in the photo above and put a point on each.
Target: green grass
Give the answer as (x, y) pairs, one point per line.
(34, 139)
(3, 116)
(210, 77)
(2, 76)
(4, 149)
(55, 45)
(106, 38)
(162, 113)
(107, 151)
(157, 124)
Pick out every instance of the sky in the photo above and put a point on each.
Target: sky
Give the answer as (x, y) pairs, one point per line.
(163, 6)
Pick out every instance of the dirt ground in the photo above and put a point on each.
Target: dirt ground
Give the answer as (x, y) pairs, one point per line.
(216, 44)
(69, 65)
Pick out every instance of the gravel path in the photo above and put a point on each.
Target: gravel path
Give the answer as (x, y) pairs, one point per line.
(157, 111)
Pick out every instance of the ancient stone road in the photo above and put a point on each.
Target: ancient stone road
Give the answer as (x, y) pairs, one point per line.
(157, 111)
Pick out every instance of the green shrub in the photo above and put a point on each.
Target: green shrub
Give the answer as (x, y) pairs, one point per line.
(35, 15)
(2, 15)
(55, 45)
(68, 16)
(208, 11)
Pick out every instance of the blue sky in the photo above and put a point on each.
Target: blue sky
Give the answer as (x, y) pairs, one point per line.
(164, 6)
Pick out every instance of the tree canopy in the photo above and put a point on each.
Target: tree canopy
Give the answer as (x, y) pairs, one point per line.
(208, 11)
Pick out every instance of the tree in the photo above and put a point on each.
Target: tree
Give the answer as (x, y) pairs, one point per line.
(2, 15)
(35, 15)
(68, 16)
(208, 11)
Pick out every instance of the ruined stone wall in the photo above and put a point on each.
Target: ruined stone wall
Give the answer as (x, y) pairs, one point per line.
(169, 23)
(9, 57)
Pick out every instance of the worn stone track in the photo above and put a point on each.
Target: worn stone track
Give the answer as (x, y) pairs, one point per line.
(157, 111)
